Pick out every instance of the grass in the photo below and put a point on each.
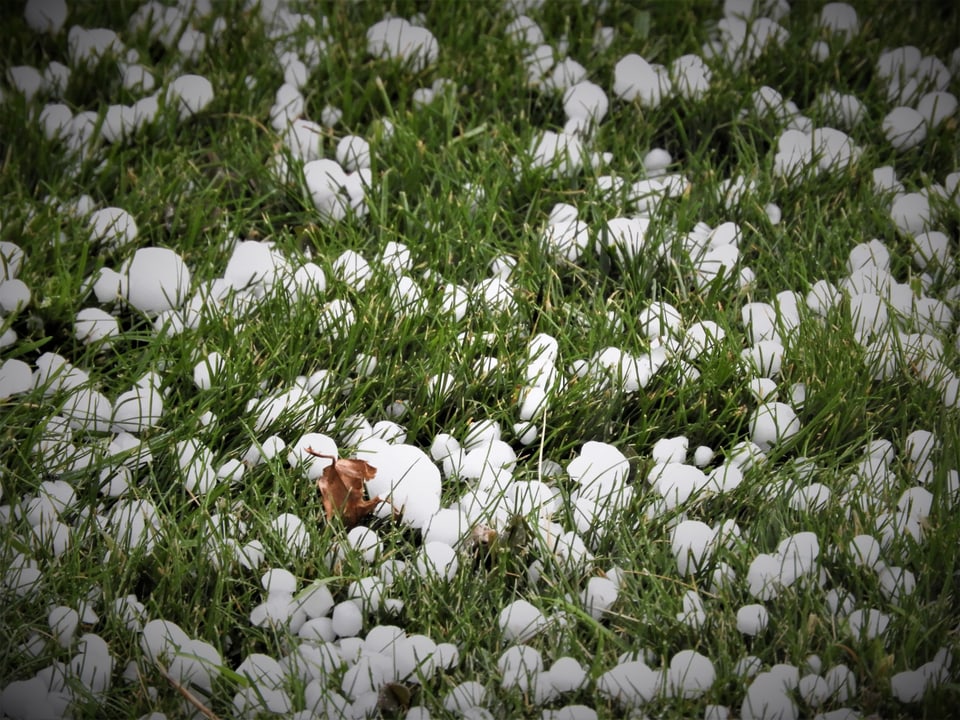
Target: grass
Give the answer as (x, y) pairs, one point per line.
(196, 185)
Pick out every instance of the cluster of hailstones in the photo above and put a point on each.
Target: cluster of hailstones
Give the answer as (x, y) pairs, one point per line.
(344, 672)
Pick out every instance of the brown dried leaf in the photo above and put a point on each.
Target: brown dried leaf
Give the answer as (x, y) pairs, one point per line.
(342, 488)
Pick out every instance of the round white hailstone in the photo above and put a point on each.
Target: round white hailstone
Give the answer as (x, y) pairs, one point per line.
(630, 684)
(279, 581)
(865, 550)
(317, 631)
(567, 675)
(667, 450)
(353, 153)
(566, 239)
(690, 75)
(336, 318)
(437, 559)
(138, 409)
(811, 498)
(113, 227)
(326, 182)
(896, 582)
(656, 161)
(518, 666)
(519, 621)
(398, 39)
(822, 296)
(447, 526)
(45, 16)
(626, 237)
(660, 319)
(207, 369)
(763, 576)
(16, 377)
(904, 127)
(692, 543)
(599, 596)
(839, 18)
(833, 148)
(157, 279)
(63, 622)
(88, 410)
(703, 456)
(868, 624)
(813, 690)
(562, 153)
(916, 502)
(752, 619)
(447, 655)
(55, 118)
(364, 541)
(26, 79)
(765, 358)
(869, 315)
(772, 423)
(292, 532)
(585, 100)
(347, 619)
(635, 79)
(481, 432)
(931, 249)
(190, 94)
(908, 686)
(464, 697)
(524, 30)
(863, 255)
(303, 138)
(690, 674)
(676, 482)
(767, 698)
(439, 386)
(533, 400)
(763, 389)
(93, 325)
(919, 445)
(315, 600)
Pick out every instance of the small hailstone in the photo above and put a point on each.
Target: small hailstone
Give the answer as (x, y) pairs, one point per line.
(518, 666)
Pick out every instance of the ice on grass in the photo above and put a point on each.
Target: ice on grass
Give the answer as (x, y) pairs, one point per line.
(840, 18)
(437, 560)
(190, 94)
(752, 619)
(676, 483)
(769, 698)
(112, 227)
(398, 39)
(904, 128)
(519, 665)
(867, 623)
(292, 532)
(636, 79)
(155, 279)
(937, 107)
(464, 697)
(630, 684)
(561, 153)
(585, 100)
(408, 479)
(520, 621)
(690, 675)
(16, 378)
(772, 423)
(138, 409)
(692, 543)
(599, 596)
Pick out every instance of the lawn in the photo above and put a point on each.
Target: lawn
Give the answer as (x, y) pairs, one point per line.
(628, 331)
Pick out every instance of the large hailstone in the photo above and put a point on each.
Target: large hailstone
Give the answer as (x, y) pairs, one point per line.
(156, 280)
